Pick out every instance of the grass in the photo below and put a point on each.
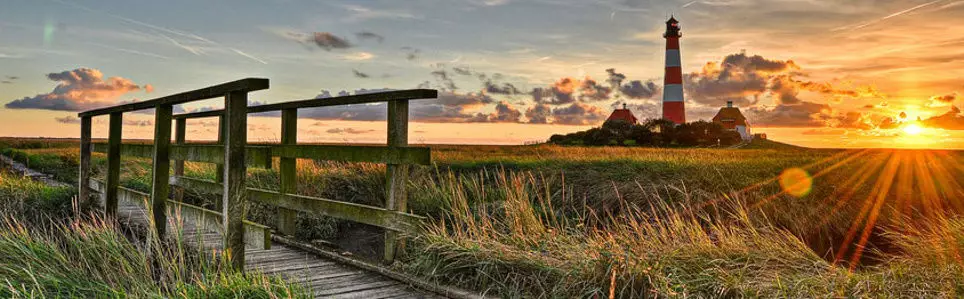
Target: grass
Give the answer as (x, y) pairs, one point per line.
(555, 221)
(52, 247)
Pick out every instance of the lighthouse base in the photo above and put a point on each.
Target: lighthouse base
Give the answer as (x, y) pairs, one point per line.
(674, 112)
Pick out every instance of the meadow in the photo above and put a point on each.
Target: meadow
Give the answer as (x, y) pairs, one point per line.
(53, 245)
(767, 220)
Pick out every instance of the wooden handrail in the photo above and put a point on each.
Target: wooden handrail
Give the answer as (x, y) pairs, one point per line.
(368, 98)
(260, 155)
(233, 155)
(243, 85)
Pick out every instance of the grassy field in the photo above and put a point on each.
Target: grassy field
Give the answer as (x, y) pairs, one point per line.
(52, 246)
(548, 221)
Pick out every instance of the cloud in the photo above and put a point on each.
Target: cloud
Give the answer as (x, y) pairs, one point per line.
(449, 107)
(808, 114)
(559, 93)
(591, 91)
(365, 35)
(952, 120)
(578, 114)
(504, 113)
(328, 41)
(361, 13)
(359, 56)
(738, 78)
(78, 90)
(801, 114)
(138, 123)
(347, 131)
(825, 131)
(504, 88)
(443, 81)
(635, 89)
(942, 100)
(746, 79)
(68, 119)
(539, 114)
(359, 74)
(412, 53)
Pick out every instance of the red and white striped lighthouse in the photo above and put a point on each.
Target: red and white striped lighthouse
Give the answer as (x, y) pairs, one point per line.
(673, 80)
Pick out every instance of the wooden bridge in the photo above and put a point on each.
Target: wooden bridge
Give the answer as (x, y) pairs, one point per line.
(251, 246)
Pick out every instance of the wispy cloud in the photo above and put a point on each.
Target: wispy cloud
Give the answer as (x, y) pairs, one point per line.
(361, 13)
(131, 51)
(896, 14)
(157, 28)
(359, 56)
(249, 56)
(193, 50)
(10, 56)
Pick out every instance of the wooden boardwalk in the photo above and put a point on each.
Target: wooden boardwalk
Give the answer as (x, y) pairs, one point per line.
(323, 277)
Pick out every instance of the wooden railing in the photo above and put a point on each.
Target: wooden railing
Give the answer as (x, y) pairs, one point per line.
(233, 155)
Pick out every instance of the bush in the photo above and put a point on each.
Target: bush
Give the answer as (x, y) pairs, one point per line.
(34, 202)
(654, 132)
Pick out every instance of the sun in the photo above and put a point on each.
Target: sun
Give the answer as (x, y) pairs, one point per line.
(913, 129)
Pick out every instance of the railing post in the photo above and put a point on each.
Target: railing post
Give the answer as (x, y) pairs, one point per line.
(287, 170)
(235, 126)
(160, 184)
(83, 183)
(219, 168)
(397, 174)
(113, 163)
(180, 134)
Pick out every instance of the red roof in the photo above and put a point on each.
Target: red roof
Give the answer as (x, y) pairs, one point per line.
(730, 117)
(623, 115)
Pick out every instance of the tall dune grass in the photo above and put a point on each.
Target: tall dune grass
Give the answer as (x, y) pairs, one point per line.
(46, 252)
(518, 247)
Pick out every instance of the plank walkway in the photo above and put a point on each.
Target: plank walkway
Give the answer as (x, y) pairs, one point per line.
(323, 277)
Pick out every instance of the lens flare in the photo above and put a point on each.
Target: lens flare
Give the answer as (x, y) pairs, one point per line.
(796, 182)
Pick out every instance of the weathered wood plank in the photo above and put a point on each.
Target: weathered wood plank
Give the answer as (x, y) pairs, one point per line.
(200, 114)
(256, 235)
(293, 266)
(113, 163)
(257, 156)
(396, 174)
(380, 217)
(287, 170)
(180, 137)
(354, 286)
(84, 175)
(349, 153)
(380, 292)
(160, 178)
(234, 195)
(219, 169)
(388, 96)
(243, 86)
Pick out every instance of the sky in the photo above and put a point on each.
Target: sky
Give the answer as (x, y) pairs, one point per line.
(817, 73)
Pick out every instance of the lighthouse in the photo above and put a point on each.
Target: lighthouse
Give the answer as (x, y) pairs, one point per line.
(673, 109)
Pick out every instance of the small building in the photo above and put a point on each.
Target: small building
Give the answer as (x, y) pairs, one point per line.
(623, 115)
(732, 119)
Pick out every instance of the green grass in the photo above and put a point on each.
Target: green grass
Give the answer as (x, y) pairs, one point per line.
(50, 247)
(560, 221)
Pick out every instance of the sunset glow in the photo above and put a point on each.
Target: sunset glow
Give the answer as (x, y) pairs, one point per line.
(548, 75)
